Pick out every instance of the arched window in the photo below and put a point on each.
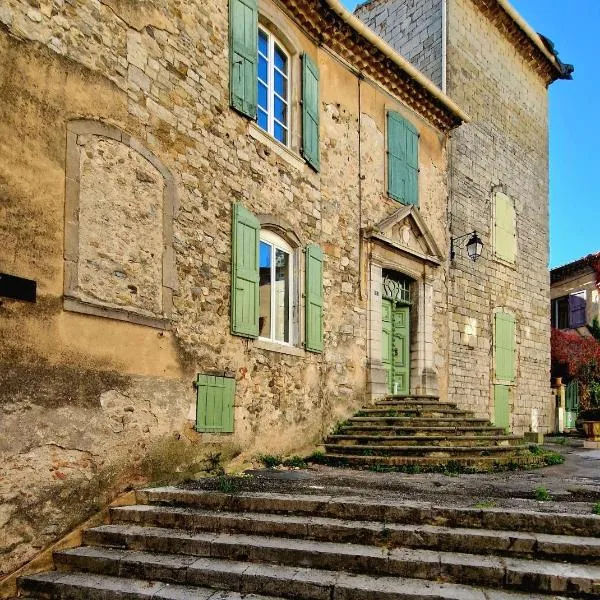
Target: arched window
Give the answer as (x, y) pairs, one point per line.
(273, 87)
(276, 288)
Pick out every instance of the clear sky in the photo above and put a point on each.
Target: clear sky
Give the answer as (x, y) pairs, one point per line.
(574, 27)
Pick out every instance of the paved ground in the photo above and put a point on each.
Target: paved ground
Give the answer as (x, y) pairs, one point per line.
(574, 485)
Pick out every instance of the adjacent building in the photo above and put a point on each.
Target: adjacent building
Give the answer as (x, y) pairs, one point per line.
(226, 225)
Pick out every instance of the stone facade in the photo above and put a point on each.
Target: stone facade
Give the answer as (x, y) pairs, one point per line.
(492, 75)
(120, 159)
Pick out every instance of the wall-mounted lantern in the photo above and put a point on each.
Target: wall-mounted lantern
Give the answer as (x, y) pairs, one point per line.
(474, 245)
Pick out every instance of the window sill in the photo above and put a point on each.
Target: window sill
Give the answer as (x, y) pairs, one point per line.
(293, 159)
(279, 348)
(506, 263)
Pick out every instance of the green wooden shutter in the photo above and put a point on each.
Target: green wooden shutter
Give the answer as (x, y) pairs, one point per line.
(243, 55)
(310, 112)
(505, 234)
(403, 159)
(244, 272)
(314, 298)
(214, 404)
(504, 345)
(502, 406)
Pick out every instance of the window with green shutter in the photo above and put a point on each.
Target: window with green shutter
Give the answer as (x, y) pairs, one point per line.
(244, 272)
(403, 159)
(243, 55)
(310, 112)
(505, 228)
(314, 298)
(504, 346)
(214, 403)
(502, 406)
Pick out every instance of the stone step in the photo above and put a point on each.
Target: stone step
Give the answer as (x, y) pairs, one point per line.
(83, 586)
(290, 556)
(391, 535)
(298, 584)
(432, 412)
(420, 430)
(419, 421)
(417, 440)
(413, 402)
(423, 451)
(415, 398)
(361, 509)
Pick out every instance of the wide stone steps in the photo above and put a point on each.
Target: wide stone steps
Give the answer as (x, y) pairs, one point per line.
(133, 521)
(424, 451)
(181, 544)
(419, 440)
(394, 434)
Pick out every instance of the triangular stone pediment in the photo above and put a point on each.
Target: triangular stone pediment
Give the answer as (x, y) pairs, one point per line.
(405, 230)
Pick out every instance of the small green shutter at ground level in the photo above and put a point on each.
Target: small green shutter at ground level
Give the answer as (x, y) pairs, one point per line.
(403, 159)
(243, 55)
(502, 406)
(310, 112)
(244, 272)
(214, 404)
(314, 298)
(504, 346)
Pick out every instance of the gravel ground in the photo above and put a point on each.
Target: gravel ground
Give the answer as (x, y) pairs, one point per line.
(574, 486)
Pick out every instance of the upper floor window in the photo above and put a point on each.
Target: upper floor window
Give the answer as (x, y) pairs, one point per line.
(505, 228)
(275, 288)
(569, 312)
(273, 87)
(403, 159)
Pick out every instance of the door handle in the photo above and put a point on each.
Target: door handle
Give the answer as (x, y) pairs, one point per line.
(395, 351)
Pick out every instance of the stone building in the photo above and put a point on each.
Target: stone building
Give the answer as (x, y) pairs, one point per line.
(489, 61)
(575, 301)
(225, 224)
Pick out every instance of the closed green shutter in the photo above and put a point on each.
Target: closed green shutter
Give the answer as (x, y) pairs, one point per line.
(314, 298)
(244, 272)
(504, 346)
(310, 112)
(214, 404)
(505, 234)
(502, 406)
(403, 159)
(243, 55)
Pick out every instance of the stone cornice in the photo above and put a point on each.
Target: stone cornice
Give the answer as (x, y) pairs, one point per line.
(377, 61)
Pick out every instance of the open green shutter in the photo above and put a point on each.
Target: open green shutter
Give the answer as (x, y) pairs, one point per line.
(310, 112)
(243, 55)
(244, 272)
(505, 237)
(214, 404)
(504, 345)
(403, 159)
(314, 298)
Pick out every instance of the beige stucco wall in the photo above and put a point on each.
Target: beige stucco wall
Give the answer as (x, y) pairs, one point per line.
(91, 405)
(582, 282)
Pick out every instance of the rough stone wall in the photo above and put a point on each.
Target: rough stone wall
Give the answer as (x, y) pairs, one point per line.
(88, 405)
(505, 147)
(412, 27)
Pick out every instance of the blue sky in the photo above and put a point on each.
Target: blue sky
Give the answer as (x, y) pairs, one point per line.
(574, 124)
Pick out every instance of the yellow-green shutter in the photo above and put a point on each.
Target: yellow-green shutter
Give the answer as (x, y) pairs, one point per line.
(505, 234)
(314, 299)
(243, 55)
(214, 404)
(504, 346)
(403, 159)
(244, 272)
(310, 112)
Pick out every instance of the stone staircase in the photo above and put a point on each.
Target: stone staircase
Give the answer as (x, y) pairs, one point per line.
(179, 544)
(422, 431)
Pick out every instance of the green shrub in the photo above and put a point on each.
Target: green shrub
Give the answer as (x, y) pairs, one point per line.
(596, 508)
(542, 494)
(269, 460)
(485, 504)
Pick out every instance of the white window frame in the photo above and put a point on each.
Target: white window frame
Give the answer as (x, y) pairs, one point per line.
(277, 243)
(271, 93)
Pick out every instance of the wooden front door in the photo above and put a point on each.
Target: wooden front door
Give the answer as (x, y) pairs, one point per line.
(395, 341)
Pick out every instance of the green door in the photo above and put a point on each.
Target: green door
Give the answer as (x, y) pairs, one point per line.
(395, 341)
(502, 406)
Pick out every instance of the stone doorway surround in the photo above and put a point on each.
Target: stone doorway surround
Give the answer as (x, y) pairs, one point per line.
(403, 243)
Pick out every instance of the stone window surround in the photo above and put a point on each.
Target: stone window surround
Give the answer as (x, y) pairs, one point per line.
(71, 302)
(282, 228)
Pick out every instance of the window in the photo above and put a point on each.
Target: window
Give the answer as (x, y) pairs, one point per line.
(505, 228)
(403, 159)
(569, 312)
(273, 87)
(275, 288)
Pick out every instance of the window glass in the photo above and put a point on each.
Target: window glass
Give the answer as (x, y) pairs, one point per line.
(273, 87)
(275, 291)
(560, 312)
